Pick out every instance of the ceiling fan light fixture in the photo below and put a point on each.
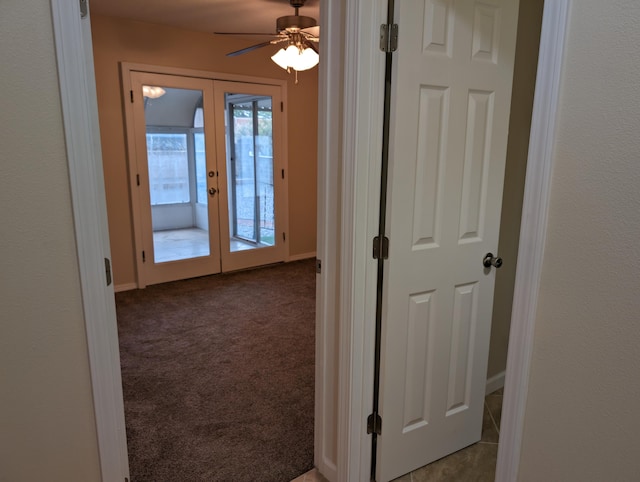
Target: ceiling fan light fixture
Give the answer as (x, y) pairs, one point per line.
(297, 59)
(282, 56)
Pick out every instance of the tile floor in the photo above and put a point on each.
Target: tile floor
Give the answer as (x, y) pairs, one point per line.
(311, 476)
(177, 244)
(475, 463)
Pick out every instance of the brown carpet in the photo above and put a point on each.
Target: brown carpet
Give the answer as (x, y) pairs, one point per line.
(218, 376)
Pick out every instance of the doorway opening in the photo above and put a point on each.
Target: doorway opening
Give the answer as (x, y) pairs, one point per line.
(210, 153)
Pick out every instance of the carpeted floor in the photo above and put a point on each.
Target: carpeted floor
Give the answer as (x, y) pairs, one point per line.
(218, 376)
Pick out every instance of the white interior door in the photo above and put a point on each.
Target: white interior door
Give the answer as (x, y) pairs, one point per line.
(252, 165)
(450, 115)
(174, 177)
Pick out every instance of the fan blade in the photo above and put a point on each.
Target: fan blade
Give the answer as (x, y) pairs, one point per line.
(248, 49)
(313, 46)
(315, 31)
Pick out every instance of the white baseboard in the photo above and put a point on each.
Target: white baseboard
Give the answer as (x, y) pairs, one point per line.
(125, 287)
(298, 257)
(494, 383)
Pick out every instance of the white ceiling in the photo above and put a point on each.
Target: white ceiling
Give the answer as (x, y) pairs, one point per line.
(206, 15)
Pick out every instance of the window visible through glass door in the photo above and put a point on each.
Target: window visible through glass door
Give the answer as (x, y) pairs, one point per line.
(177, 174)
(250, 168)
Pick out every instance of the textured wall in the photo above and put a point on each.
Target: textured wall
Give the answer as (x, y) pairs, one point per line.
(47, 426)
(117, 40)
(524, 82)
(582, 420)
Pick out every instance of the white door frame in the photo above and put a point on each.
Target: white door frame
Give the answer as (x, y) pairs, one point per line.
(82, 134)
(350, 76)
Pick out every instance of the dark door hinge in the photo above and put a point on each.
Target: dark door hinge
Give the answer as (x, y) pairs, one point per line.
(83, 8)
(131, 95)
(389, 37)
(380, 247)
(107, 269)
(144, 257)
(138, 179)
(283, 174)
(318, 266)
(281, 106)
(284, 237)
(374, 423)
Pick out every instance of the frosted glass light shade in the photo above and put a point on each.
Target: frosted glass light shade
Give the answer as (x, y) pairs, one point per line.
(293, 58)
(306, 60)
(152, 92)
(281, 57)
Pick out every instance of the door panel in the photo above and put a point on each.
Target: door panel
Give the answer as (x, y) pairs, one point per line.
(253, 227)
(175, 157)
(451, 101)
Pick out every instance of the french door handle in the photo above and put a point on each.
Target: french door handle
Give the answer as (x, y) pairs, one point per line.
(212, 191)
(490, 260)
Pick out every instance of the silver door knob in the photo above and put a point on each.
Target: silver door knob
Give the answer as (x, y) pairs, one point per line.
(212, 191)
(490, 260)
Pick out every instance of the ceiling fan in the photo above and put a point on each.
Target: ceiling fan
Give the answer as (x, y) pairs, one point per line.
(298, 34)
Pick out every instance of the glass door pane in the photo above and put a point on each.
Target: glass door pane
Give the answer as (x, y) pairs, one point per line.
(177, 173)
(250, 168)
(253, 207)
(171, 134)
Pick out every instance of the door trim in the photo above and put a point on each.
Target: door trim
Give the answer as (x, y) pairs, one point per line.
(361, 136)
(330, 77)
(533, 228)
(82, 133)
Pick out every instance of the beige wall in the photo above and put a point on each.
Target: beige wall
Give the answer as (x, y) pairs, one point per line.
(524, 80)
(47, 425)
(117, 40)
(582, 419)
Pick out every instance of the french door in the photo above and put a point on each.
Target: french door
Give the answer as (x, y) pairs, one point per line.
(249, 146)
(204, 156)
